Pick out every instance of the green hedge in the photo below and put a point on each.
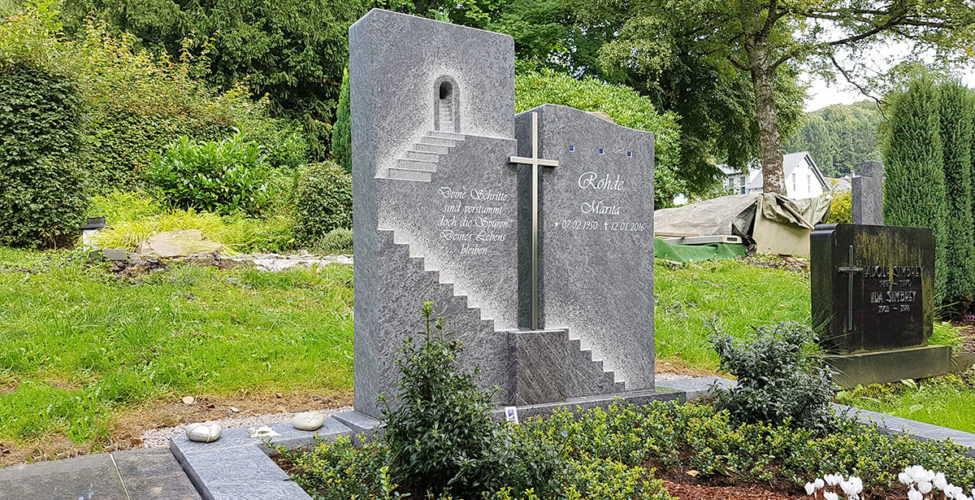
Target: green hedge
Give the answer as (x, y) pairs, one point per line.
(118, 145)
(42, 202)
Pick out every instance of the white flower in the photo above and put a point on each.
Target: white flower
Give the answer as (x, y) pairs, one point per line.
(852, 487)
(810, 488)
(833, 479)
(913, 494)
(905, 478)
(940, 482)
(820, 483)
(924, 487)
(829, 495)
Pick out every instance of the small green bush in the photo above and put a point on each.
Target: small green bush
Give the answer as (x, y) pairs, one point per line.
(840, 209)
(324, 202)
(335, 241)
(222, 177)
(440, 434)
(778, 381)
(42, 196)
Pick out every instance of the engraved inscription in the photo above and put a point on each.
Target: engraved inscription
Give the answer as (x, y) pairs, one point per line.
(893, 289)
(600, 210)
(472, 218)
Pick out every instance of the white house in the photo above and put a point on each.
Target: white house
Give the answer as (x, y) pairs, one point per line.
(802, 177)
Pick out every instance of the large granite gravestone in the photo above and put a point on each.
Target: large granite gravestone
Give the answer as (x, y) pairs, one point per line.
(873, 302)
(596, 250)
(867, 194)
(442, 214)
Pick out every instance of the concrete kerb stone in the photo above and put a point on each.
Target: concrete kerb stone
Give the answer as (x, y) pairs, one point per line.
(698, 387)
(238, 467)
(920, 431)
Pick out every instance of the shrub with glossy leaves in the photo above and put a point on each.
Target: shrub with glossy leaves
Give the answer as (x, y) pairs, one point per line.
(439, 431)
(222, 177)
(778, 381)
(324, 202)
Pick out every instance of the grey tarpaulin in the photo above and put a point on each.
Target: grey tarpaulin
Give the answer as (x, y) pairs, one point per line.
(736, 215)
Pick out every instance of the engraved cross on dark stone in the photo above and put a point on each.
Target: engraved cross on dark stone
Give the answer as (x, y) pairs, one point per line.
(535, 162)
(850, 270)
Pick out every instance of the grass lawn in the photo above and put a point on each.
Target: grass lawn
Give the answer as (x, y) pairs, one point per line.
(734, 293)
(84, 353)
(78, 346)
(945, 401)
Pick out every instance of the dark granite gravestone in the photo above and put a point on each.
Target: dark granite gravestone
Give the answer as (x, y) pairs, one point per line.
(873, 301)
(442, 214)
(867, 194)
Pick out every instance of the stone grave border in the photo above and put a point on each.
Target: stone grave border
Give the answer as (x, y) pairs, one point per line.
(238, 467)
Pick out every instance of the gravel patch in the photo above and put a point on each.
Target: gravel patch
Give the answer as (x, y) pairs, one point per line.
(666, 377)
(158, 438)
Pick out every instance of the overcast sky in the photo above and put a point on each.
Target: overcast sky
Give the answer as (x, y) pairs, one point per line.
(883, 57)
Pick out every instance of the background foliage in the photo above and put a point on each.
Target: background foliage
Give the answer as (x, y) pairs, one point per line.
(624, 105)
(839, 137)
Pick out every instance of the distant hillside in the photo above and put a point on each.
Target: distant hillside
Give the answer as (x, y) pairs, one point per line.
(839, 137)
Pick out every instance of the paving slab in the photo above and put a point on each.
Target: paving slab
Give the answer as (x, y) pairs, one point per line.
(125, 475)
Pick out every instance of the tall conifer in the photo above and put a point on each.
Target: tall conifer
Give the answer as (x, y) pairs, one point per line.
(956, 137)
(342, 130)
(915, 181)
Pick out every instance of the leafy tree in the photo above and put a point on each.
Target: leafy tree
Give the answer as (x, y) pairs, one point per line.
(292, 50)
(840, 137)
(712, 105)
(342, 129)
(956, 134)
(764, 40)
(624, 105)
(914, 188)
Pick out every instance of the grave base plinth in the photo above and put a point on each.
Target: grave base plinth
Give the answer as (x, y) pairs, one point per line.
(584, 403)
(537, 366)
(881, 367)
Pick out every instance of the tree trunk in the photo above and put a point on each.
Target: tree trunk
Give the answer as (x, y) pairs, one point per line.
(770, 139)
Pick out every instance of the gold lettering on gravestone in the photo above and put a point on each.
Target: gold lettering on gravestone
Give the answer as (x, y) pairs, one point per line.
(893, 288)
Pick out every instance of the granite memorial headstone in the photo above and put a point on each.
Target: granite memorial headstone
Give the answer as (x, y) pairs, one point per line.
(549, 289)
(873, 301)
(867, 194)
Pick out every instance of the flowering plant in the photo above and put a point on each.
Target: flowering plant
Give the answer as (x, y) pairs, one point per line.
(830, 486)
(923, 483)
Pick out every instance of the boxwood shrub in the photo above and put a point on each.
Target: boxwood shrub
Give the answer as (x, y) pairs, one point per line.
(324, 202)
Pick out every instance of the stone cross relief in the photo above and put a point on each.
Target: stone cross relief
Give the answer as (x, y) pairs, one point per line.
(850, 271)
(535, 162)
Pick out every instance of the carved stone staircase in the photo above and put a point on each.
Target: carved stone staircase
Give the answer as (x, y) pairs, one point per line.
(585, 376)
(420, 161)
